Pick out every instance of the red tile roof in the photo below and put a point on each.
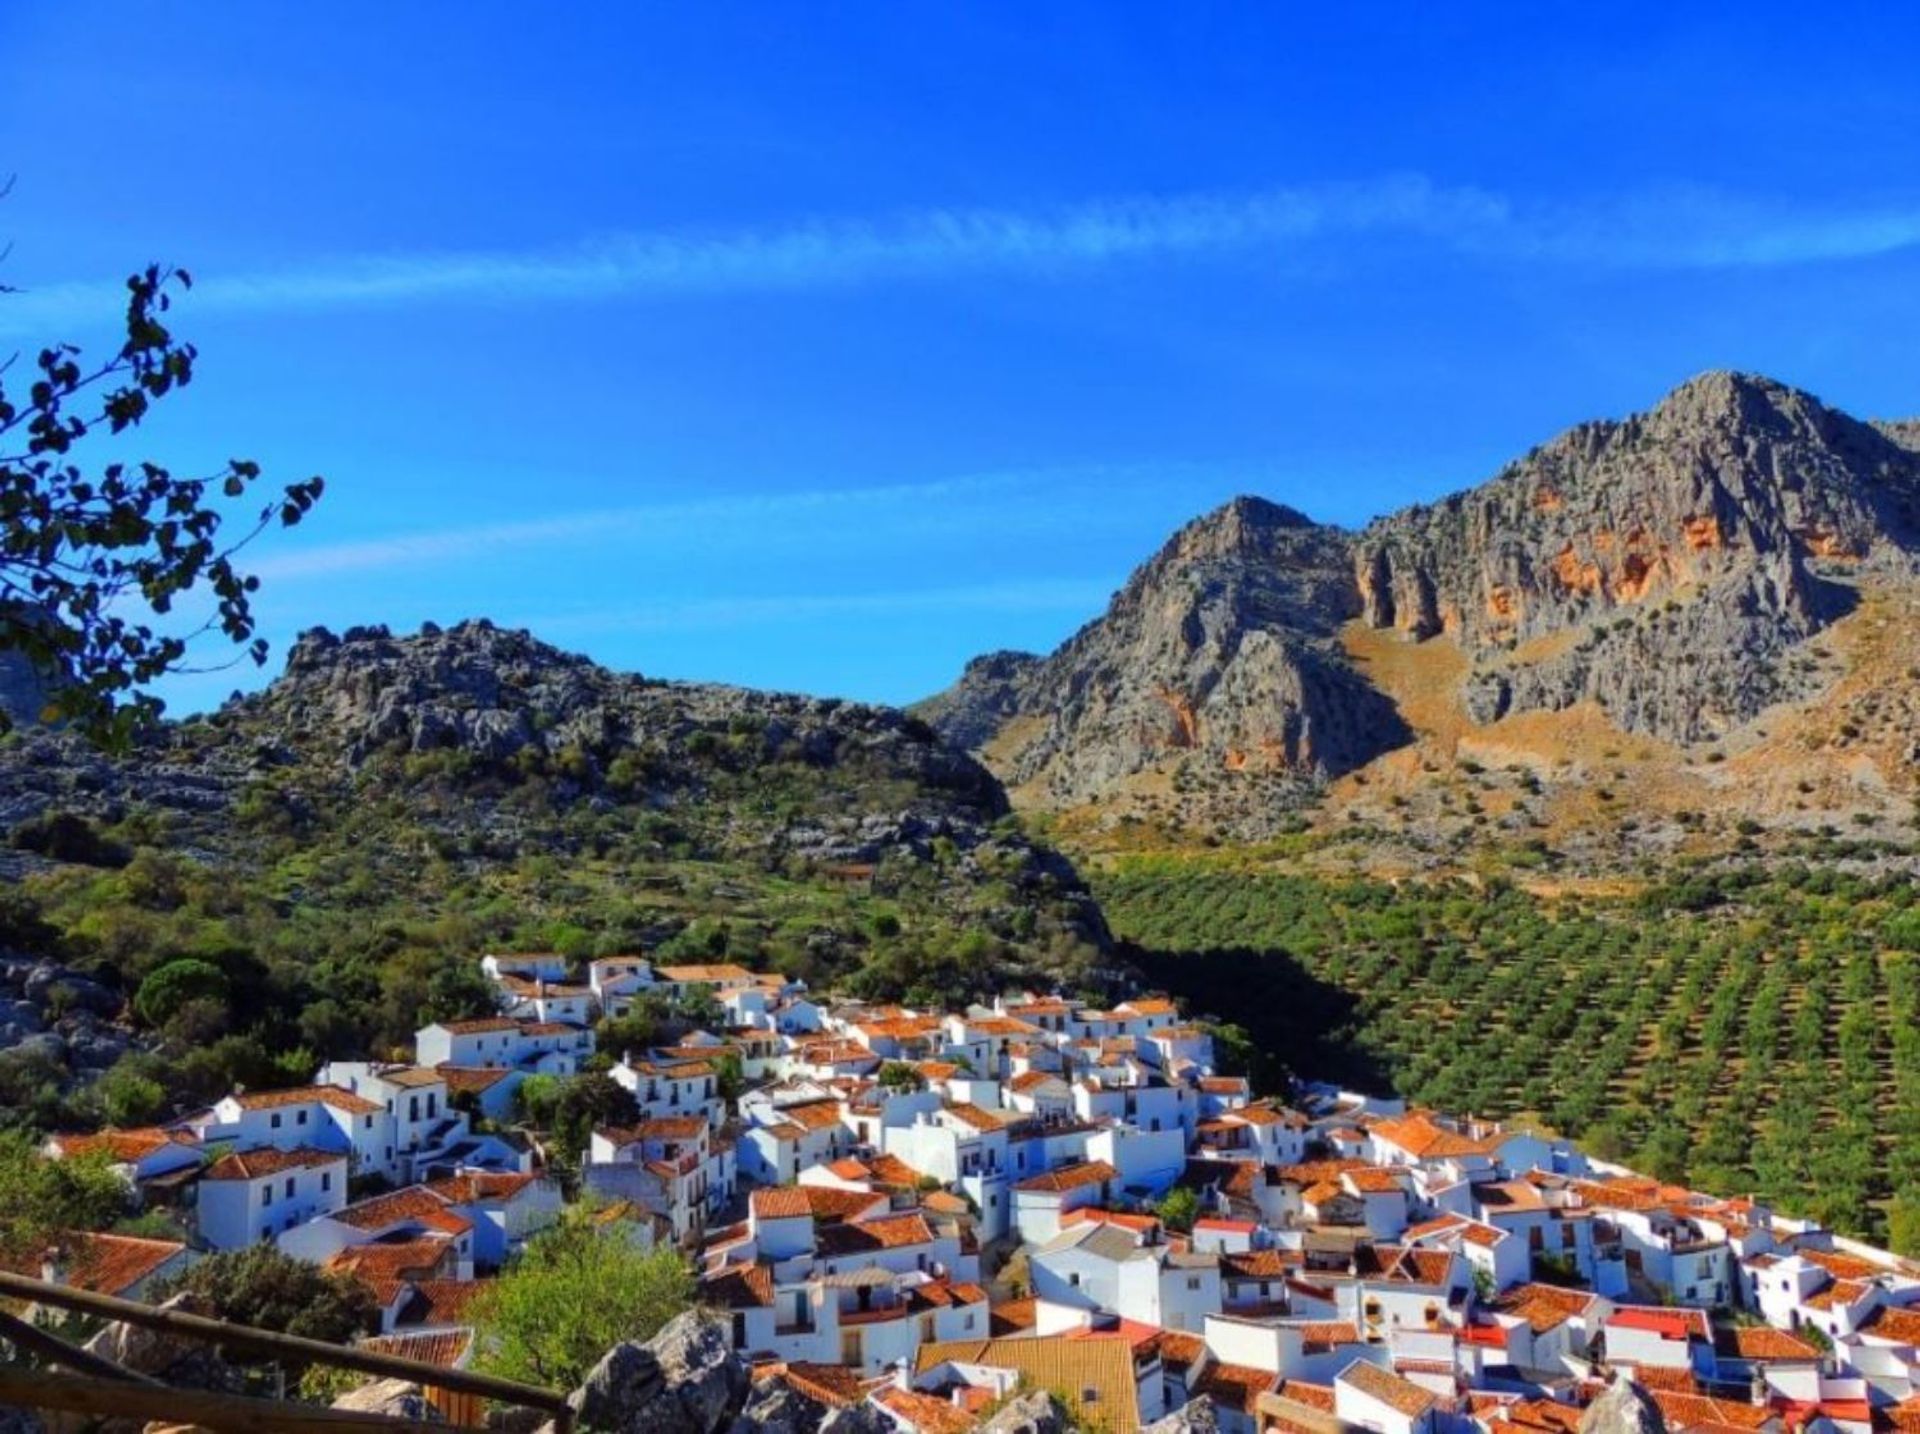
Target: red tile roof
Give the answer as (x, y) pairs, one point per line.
(254, 1164)
(104, 1264)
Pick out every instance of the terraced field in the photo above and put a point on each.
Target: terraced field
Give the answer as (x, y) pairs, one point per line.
(1741, 1031)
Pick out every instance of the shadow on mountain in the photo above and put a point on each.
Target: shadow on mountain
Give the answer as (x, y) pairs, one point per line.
(1298, 1025)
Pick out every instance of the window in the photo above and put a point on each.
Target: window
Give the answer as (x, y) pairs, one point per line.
(289, 1187)
(300, 1118)
(1193, 1282)
(266, 1195)
(326, 1180)
(274, 1120)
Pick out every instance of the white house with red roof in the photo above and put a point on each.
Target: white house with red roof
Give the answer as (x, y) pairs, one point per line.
(322, 1117)
(263, 1193)
(535, 1047)
(148, 1154)
(410, 1216)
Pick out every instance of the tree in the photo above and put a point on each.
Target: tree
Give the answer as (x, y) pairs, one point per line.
(128, 1097)
(584, 1103)
(172, 986)
(93, 561)
(900, 1076)
(267, 1288)
(1178, 1209)
(39, 1198)
(576, 1291)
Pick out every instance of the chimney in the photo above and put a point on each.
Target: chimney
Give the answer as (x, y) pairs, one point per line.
(901, 1379)
(53, 1265)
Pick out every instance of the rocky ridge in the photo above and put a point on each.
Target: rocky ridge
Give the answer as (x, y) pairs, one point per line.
(1668, 569)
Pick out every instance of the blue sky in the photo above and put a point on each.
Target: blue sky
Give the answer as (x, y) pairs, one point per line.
(823, 346)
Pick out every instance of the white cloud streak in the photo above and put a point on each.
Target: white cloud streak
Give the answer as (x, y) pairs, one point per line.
(1060, 595)
(678, 520)
(1676, 229)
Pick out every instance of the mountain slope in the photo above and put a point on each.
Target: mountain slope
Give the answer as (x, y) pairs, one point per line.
(390, 805)
(1663, 575)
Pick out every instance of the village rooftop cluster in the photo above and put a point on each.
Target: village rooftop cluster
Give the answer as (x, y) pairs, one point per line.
(926, 1210)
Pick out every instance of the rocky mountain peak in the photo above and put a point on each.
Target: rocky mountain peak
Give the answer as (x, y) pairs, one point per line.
(1662, 566)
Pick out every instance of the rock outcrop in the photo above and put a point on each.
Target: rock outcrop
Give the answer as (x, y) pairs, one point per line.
(1196, 1416)
(395, 1398)
(1668, 567)
(685, 1380)
(1623, 1408)
(1035, 1413)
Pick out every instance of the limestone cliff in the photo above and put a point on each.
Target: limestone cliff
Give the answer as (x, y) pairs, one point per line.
(1668, 567)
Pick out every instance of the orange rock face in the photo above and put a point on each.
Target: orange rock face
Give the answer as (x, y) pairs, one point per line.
(1823, 544)
(1184, 717)
(1702, 534)
(1547, 500)
(1574, 575)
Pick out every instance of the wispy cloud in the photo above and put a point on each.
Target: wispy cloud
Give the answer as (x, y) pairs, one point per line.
(1066, 595)
(1666, 229)
(760, 514)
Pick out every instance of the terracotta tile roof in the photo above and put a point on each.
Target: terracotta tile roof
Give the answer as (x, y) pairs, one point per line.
(891, 1170)
(924, 1412)
(1692, 1411)
(1546, 1414)
(442, 1348)
(438, 1302)
(813, 1114)
(1674, 1381)
(1317, 1334)
(1842, 1267)
(383, 1264)
(1840, 1292)
(1403, 1263)
(827, 1204)
(1224, 1085)
(477, 1026)
(833, 1385)
(461, 1079)
(969, 1114)
(1314, 1396)
(724, 971)
(104, 1264)
(1313, 1172)
(1376, 1180)
(471, 1187)
(253, 1164)
(889, 1233)
(1258, 1265)
(1028, 1081)
(739, 1287)
(330, 1095)
(1421, 1138)
(848, 1169)
(1072, 1367)
(124, 1146)
(1544, 1307)
(1070, 1177)
(1012, 1316)
(1667, 1323)
(1177, 1350)
(1234, 1386)
(415, 1204)
(1152, 1006)
(1401, 1395)
(1902, 1326)
(784, 1202)
(1904, 1416)
(1764, 1342)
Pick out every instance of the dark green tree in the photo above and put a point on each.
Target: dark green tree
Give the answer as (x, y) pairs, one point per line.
(95, 559)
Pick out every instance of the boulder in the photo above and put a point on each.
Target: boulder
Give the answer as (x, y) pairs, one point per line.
(685, 1380)
(396, 1398)
(1196, 1416)
(1625, 1408)
(1036, 1413)
(171, 1358)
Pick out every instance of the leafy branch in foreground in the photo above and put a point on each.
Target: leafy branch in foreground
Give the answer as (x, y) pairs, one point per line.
(93, 560)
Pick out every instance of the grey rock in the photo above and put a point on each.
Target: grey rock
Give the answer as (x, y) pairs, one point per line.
(685, 1380)
(1196, 1416)
(1671, 567)
(395, 1398)
(1036, 1413)
(862, 1418)
(172, 1358)
(1623, 1408)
